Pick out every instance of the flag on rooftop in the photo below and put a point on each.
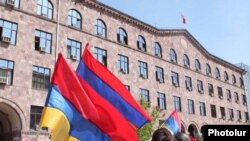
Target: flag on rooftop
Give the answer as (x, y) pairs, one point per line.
(173, 123)
(183, 18)
(110, 89)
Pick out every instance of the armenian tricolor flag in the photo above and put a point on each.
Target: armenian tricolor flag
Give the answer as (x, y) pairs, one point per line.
(173, 123)
(68, 109)
(76, 111)
(111, 89)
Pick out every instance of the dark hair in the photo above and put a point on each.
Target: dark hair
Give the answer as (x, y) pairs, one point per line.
(181, 137)
(161, 134)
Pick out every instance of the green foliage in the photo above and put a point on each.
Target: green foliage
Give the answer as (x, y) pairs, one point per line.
(145, 132)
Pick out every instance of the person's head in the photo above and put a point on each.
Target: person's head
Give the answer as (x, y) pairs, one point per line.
(161, 134)
(181, 137)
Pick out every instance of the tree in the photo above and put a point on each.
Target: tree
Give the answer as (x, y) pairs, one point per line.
(145, 132)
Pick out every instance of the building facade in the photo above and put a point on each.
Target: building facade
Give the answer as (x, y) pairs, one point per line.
(169, 69)
(246, 78)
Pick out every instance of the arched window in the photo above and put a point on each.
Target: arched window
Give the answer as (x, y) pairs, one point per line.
(141, 43)
(45, 8)
(74, 19)
(173, 56)
(208, 69)
(217, 73)
(122, 36)
(226, 76)
(157, 49)
(197, 65)
(100, 28)
(186, 61)
(233, 79)
(241, 82)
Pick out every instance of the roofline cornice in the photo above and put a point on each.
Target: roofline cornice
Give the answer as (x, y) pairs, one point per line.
(155, 31)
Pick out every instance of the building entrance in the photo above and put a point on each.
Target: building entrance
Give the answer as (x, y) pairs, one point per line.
(10, 123)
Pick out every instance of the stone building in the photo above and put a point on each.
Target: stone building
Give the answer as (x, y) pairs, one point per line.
(168, 68)
(246, 78)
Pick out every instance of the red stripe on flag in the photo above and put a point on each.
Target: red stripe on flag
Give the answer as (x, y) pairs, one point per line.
(175, 115)
(111, 121)
(70, 86)
(103, 73)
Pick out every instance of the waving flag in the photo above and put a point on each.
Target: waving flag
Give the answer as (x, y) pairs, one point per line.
(110, 89)
(75, 112)
(183, 19)
(111, 121)
(68, 110)
(173, 123)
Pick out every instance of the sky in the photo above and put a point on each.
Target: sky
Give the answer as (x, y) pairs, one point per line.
(222, 27)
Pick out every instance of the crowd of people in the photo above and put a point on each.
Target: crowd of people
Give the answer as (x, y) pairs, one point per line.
(162, 134)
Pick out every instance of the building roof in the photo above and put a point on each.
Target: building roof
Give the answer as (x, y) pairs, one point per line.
(159, 32)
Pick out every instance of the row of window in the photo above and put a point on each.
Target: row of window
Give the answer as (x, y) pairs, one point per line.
(36, 111)
(74, 49)
(40, 75)
(144, 94)
(43, 40)
(123, 65)
(161, 100)
(45, 8)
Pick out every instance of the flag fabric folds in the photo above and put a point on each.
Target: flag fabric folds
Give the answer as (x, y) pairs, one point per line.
(74, 111)
(68, 110)
(173, 123)
(110, 89)
(111, 121)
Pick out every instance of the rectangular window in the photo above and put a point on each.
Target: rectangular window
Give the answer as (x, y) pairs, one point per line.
(244, 100)
(123, 64)
(190, 106)
(177, 103)
(8, 32)
(231, 114)
(236, 97)
(35, 116)
(220, 93)
(159, 74)
(188, 82)
(213, 111)
(161, 99)
(202, 109)
(74, 49)
(211, 89)
(43, 41)
(246, 117)
(11, 3)
(6, 71)
(200, 86)
(239, 115)
(175, 79)
(145, 96)
(223, 113)
(143, 69)
(241, 83)
(40, 78)
(228, 93)
(101, 55)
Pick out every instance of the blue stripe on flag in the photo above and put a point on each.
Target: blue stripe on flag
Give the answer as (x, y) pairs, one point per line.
(172, 124)
(110, 95)
(80, 128)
